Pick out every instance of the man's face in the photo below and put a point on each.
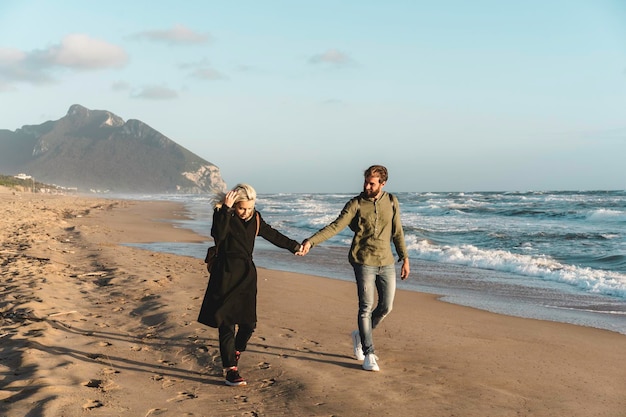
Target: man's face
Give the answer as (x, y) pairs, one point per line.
(372, 187)
(244, 209)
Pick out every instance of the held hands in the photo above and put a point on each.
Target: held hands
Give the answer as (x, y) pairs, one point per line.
(305, 247)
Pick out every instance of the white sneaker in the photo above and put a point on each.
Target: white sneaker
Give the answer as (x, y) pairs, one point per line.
(369, 364)
(356, 342)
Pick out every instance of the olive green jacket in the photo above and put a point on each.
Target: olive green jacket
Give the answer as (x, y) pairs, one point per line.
(375, 223)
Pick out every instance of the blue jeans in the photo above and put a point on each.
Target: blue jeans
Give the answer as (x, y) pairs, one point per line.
(369, 281)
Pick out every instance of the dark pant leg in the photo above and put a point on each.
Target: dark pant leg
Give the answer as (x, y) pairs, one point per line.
(231, 342)
(244, 333)
(227, 345)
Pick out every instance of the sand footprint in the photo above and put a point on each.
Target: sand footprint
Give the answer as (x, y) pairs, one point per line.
(288, 335)
(93, 383)
(170, 382)
(91, 404)
(268, 382)
(94, 356)
(109, 371)
(307, 348)
(166, 362)
(182, 396)
(156, 412)
(100, 384)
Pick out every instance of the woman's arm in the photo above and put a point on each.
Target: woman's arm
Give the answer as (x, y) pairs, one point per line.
(222, 216)
(221, 223)
(276, 238)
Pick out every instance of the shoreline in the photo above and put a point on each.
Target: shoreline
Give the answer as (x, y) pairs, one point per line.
(496, 291)
(90, 324)
(449, 282)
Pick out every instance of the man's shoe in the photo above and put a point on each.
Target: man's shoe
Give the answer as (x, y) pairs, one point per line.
(369, 364)
(233, 379)
(356, 343)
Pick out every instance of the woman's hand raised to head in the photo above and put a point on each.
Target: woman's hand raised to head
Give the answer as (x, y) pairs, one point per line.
(229, 199)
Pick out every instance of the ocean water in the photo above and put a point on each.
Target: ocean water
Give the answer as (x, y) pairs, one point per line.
(557, 256)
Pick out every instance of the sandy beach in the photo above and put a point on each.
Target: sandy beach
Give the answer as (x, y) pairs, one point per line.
(89, 327)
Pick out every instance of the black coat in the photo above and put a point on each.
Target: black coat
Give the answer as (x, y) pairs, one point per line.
(230, 297)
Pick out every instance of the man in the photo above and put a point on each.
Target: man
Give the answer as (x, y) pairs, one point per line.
(374, 217)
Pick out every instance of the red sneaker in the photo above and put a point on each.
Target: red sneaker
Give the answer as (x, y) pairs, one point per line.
(233, 379)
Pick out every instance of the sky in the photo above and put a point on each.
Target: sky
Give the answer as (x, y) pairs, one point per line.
(303, 96)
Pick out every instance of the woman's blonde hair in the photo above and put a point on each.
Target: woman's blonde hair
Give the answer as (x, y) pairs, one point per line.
(245, 192)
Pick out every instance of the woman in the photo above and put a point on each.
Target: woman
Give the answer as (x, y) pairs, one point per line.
(230, 300)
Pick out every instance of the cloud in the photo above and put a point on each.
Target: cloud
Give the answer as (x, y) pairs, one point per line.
(178, 35)
(120, 86)
(331, 56)
(246, 68)
(156, 93)
(18, 66)
(77, 52)
(82, 52)
(203, 71)
(209, 74)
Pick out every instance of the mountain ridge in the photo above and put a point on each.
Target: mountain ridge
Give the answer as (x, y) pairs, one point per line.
(96, 149)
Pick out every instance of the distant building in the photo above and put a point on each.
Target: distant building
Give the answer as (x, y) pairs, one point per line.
(23, 176)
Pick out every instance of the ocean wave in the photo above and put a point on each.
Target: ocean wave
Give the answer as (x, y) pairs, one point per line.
(543, 268)
(607, 215)
(590, 310)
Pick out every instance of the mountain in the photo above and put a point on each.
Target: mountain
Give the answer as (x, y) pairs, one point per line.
(95, 149)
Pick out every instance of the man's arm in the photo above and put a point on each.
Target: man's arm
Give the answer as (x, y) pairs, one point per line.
(399, 242)
(348, 213)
